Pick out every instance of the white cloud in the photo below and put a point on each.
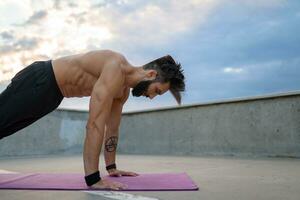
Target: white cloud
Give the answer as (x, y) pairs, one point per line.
(251, 68)
(14, 12)
(233, 70)
(256, 70)
(65, 27)
(158, 23)
(52, 33)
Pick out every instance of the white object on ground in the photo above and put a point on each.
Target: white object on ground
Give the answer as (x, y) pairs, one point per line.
(120, 195)
(2, 171)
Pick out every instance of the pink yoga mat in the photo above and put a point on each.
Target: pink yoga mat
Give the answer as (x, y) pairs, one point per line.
(75, 181)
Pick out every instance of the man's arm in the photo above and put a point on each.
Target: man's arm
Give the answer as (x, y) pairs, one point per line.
(112, 129)
(106, 87)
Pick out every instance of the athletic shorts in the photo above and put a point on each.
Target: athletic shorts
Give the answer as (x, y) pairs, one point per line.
(32, 93)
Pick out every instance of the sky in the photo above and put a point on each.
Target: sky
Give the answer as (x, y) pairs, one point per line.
(227, 48)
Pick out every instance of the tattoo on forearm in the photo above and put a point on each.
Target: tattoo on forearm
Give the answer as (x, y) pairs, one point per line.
(111, 144)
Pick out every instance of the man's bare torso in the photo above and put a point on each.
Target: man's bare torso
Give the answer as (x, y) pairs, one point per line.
(76, 75)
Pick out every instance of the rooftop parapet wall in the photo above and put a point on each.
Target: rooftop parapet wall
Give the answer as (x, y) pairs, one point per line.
(254, 126)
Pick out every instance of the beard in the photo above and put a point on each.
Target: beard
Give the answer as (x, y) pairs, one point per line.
(140, 88)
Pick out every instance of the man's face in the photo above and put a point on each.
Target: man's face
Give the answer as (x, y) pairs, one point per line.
(150, 89)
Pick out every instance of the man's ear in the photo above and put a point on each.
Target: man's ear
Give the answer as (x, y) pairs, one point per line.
(151, 74)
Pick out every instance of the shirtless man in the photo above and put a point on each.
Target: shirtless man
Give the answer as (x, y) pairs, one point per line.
(104, 75)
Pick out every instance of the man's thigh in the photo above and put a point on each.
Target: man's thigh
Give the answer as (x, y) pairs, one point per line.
(15, 110)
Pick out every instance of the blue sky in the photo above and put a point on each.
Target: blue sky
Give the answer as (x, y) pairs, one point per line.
(227, 48)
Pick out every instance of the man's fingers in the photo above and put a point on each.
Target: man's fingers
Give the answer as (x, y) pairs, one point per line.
(115, 174)
(129, 174)
(124, 186)
(123, 173)
(134, 174)
(106, 184)
(114, 188)
(120, 185)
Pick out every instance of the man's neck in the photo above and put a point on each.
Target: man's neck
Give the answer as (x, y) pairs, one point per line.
(134, 74)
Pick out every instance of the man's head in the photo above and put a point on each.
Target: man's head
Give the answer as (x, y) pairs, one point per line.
(162, 74)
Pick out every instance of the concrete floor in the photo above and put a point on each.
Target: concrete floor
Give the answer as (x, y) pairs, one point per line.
(217, 177)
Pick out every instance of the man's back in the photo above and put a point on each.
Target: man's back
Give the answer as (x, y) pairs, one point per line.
(76, 75)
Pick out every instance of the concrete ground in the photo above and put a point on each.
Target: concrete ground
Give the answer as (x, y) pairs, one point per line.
(217, 177)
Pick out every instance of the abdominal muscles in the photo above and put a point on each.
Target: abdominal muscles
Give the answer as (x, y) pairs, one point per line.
(78, 83)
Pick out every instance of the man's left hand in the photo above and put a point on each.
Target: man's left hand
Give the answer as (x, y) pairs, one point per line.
(115, 172)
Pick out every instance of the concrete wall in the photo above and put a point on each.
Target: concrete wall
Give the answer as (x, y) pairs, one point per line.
(255, 126)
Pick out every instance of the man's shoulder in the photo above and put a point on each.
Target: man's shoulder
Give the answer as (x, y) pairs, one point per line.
(118, 57)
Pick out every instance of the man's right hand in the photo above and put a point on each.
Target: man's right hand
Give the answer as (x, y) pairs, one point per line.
(107, 184)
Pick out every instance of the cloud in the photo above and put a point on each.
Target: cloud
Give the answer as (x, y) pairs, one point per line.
(14, 12)
(64, 27)
(4, 49)
(37, 17)
(246, 35)
(152, 24)
(6, 35)
(233, 70)
(26, 43)
(256, 79)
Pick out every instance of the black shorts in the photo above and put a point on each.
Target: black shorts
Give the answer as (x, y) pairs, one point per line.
(32, 93)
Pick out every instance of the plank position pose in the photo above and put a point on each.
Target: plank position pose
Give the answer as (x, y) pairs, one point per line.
(104, 75)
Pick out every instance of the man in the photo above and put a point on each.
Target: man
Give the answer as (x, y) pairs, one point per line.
(104, 75)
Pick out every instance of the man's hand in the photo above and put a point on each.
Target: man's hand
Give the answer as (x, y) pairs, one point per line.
(107, 184)
(115, 172)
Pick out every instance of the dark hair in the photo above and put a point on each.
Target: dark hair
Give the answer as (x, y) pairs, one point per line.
(169, 71)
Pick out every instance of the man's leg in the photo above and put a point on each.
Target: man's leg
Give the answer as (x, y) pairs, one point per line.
(13, 111)
(32, 94)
